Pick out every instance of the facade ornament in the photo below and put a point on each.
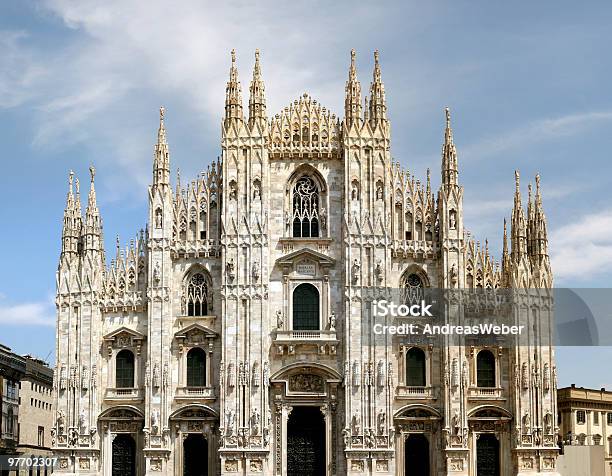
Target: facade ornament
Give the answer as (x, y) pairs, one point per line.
(255, 271)
(455, 373)
(464, 374)
(356, 424)
(380, 374)
(61, 422)
(257, 190)
(156, 375)
(379, 190)
(231, 375)
(255, 420)
(279, 319)
(390, 374)
(165, 375)
(82, 422)
(525, 376)
(381, 420)
(456, 422)
(332, 321)
(453, 275)
(378, 271)
(155, 421)
(526, 423)
(229, 419)
(356, 374)
(156, 273)
(452, 220)
(85, 378)
(255, 374)
(158, 218)
(323, 217)
(94, 376)
(147, 374)
(355, 268)
(546, 376)
(229, 269)
(266, 374)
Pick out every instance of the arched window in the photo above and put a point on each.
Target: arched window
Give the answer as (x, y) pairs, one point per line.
(415, 368)
(412, 288)
(306, 307)
(197, 295)
(305, 202)
(124, 371)
(196, 368)
(485, 369)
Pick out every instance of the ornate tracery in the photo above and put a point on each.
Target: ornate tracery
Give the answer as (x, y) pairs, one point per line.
(305, 208)
(197, 296)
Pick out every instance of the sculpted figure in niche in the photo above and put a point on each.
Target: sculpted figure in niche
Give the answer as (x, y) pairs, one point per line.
(279, 319)
(355, 271)
(379, 191)
(381, 419)
(332, 321)
(158, 218)
(452, 220)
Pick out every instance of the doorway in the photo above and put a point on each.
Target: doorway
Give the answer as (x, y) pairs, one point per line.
(487, 455)
(416, 455)
(124, 456)
(195, 455)
(306, 442)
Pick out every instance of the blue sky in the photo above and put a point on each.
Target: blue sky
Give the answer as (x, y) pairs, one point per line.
(81, 83)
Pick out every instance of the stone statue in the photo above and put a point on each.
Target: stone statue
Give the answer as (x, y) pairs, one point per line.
(266, 374)
(158, 218)
(255, 420)
(356, 424)
(355, 271)
(229, 418)
(61, 422)
(452, 220)
(332, 321)
(83, 422)
(456, 423)
(279, 319)
(381, 420)
(255, 271)
(155, 421)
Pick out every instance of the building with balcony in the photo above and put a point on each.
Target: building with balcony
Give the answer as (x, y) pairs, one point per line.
(235, 335)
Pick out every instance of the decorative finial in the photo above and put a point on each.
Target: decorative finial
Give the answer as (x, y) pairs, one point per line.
(257, 54)
(517, 179)
(92, 172)
(77, 186)
(448, 117)
(376, 57)
(353, 56)
(70, 179)
(233, 56)
(537, 180)
(162, 113)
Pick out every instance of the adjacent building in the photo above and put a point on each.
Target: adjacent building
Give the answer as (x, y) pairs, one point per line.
(234, 334)
(12, 369)
(585, 419)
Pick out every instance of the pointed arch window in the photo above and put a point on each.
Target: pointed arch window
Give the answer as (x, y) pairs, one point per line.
(306, 307)
(305, 203)
(197, 298)
(485, 369)
(412, 287)
(196, 368)
(415, 367)
(124, 371)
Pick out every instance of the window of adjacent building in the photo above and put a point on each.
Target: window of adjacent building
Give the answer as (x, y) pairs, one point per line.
(41, 436)
(609, 417)
(485, 369)
(415, 367)
(196, 368)
(125, 369)
(580, 416)
(306, 307)
(9, 421)
(596, 418)
(305, 214)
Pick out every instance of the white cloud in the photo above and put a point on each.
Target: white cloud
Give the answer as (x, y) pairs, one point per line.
(28, 314)
(583, 249)
(537, 131)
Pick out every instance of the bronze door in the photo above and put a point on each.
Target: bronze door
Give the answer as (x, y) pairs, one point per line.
(416, 456)
(124, 456)
(306, 442)
(487, 455)
(195, 455)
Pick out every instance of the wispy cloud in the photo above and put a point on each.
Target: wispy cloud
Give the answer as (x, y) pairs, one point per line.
(583, 249)
(28, 314)
(537, 131)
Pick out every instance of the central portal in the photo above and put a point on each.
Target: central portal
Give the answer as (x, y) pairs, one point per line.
(416, 458)
(306, 442)
(195, 455)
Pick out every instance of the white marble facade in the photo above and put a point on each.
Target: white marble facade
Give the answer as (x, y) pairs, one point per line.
(241, 314)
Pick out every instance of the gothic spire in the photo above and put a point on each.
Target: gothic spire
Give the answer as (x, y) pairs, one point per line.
(519, 228)
(352, 98)
(449, 154)
(257, 96)
(69, 234)
(540, 238)
(161, 162)
(233, 94)
(92, 230)
(378, 104)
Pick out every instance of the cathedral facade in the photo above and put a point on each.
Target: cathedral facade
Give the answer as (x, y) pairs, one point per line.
(234, 335)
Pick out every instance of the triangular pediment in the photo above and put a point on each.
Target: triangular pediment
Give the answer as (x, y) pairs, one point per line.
(305, 253)
(124, 331)
(195, 333)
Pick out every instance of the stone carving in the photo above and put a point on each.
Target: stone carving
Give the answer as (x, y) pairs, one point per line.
(229, 269)
(452, 220)
(381, 422)
(158, 218)
(378, 271)
(356, 424)
(257, 190)
(156, 375)
(453, 275)
(280, 322)
(380, 374)
(546, 377)
(255, 271)
(155, 421)
(229, 422)
(266, 374)
(390, 374)
(156, 273)
(255, 374)
(306, 383)
(85, 378)
(525, 376)
(255, 420)
(455, 373)
(356, 374)
(94, 376)
(147, 374)
(83, 422)
(355, 268)
(526, 423)
(323, 216)
(332, 321)
(165, 375)
(456, 423)
(231, 375)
